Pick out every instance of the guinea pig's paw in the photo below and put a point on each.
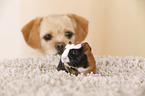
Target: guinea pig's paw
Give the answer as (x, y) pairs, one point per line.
(73, 71)
(58, 69)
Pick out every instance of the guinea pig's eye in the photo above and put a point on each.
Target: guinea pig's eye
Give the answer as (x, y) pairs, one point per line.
(47, 37)
(68, 34)
(75, 52)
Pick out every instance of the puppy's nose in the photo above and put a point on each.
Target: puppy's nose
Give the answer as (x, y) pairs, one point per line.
(60, 47)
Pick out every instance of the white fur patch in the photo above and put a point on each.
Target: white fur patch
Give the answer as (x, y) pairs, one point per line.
(82, 69)
(64, 56)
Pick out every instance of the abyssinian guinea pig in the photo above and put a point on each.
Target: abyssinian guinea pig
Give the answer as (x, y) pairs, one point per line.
(77, 59)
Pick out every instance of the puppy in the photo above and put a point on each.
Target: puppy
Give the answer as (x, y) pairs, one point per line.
(77, 59)
(50, 34)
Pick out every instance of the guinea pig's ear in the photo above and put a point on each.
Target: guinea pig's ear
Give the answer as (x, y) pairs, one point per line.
(31, 34)
(81, 27)
(86, 47)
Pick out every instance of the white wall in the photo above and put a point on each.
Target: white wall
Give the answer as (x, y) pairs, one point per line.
(10, 35)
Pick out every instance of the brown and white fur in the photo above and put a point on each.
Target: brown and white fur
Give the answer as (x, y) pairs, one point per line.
(77, 59)
(51, 33)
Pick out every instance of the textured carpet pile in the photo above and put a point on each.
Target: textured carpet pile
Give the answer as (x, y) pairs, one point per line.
(116, 76)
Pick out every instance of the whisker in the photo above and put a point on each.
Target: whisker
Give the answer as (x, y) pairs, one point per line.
(75, 62)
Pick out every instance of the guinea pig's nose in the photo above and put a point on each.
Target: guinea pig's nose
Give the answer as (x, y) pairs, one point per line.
(60, 47)
(64, 59)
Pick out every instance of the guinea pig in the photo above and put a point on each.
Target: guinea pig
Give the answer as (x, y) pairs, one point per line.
(77, 59)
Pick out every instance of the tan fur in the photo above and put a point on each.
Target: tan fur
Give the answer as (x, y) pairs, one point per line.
(56, 25)
(74, 72)
(66, 68)
(91, 59)
(31, 34)
(81, 25)
(71, 71)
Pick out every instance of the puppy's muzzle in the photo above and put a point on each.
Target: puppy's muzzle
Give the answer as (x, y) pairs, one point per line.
(60, 47)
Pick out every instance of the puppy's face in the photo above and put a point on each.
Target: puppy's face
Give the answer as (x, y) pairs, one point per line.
(50, 34)
(55, 32)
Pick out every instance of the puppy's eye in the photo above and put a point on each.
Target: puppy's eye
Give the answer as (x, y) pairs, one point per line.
(68, 34)
(47, 37)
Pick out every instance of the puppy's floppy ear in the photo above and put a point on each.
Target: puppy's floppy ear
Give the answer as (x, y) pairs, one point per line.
(81, 27)
(31, 34)
(86, 47)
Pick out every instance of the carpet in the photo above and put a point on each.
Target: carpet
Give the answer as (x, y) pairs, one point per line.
(37, 76)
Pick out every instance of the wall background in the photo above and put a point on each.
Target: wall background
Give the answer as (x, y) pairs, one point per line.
(10, 36)
(116, 27)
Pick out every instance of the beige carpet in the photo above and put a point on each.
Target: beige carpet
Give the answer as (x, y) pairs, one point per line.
(116, 76)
